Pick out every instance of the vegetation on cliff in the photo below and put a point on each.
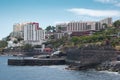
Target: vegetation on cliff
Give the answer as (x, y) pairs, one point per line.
(110, 33)
(3, 44)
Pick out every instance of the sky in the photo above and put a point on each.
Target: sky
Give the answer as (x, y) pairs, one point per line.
(51, 12)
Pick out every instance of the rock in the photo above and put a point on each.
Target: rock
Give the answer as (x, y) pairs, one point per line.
(113, 66)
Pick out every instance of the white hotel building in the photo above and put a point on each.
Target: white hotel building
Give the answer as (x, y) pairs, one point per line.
(33, 34)
(77, 26)
(81, 27)
(107, 21)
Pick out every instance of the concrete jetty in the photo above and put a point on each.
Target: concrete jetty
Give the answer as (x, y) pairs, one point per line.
(36, 62)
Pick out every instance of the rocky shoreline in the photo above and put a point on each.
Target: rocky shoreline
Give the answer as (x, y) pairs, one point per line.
(113, 66)
(100, 58)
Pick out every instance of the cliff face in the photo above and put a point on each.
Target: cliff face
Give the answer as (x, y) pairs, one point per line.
(90, 55)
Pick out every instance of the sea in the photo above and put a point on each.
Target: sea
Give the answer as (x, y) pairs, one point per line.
(50, 72)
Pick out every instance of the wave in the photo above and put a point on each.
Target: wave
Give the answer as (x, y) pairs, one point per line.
(58, 66)
(109, 72)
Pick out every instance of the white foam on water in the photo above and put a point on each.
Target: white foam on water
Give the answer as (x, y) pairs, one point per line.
(109, 72)
(61, 67)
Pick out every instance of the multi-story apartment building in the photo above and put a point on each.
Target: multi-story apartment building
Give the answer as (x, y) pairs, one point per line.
(18, 30)
(59, 35)
(107, 21)
(83, 26)
(33, 34)
(18, 27)
(76, 26)
(62, 27)
(80, 27)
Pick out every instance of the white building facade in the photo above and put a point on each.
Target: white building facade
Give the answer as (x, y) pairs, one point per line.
(81, 26)
(62, 27)
(107, 21)
(33, 34)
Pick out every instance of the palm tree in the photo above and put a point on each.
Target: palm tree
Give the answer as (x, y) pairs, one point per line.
(48, 29)
(53, 28)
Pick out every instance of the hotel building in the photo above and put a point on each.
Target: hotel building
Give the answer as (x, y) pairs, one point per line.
(81, 28)
(33, 34)
(107, 21)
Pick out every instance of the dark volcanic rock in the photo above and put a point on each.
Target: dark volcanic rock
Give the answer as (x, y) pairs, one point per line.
(109, 66)
(90, 56)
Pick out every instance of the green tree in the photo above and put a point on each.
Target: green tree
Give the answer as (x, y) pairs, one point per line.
(48, 29)
(59, 28)
(117, 24)
(3, 44)
(105, 25)
(8, 38)
(53, 29)
(75, 39)
(27, 47)
(15, 41)
(19, 39)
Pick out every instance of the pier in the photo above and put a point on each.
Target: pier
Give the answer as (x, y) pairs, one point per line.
(36, 62)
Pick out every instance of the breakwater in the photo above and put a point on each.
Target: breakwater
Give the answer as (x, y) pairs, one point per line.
(37, 62)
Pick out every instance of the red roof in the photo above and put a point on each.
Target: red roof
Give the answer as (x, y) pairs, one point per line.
(47, 49)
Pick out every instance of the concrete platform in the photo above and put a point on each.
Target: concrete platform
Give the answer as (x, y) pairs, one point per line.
(36, 62)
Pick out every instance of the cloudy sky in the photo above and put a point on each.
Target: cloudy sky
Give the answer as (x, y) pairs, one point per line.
(50, 12)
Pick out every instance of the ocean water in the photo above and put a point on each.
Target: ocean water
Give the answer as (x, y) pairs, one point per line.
(50, 73)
